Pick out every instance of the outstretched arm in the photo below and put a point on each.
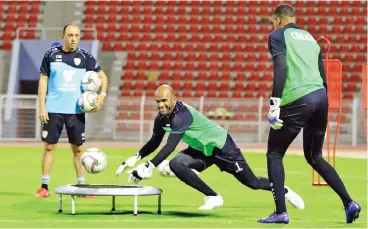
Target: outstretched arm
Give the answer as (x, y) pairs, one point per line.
(148, 148)
(170, 146)
(180, 124)
(155, 141)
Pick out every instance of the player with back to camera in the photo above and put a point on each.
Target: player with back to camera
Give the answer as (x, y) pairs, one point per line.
(299, 100)
(62, 70)
(208, 144)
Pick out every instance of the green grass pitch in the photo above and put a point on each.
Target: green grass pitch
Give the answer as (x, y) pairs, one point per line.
(21, 171)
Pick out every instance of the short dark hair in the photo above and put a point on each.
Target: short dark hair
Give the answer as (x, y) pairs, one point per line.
(284, 10)
(65, 27)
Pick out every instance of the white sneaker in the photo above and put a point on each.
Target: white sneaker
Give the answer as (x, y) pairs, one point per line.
(211, 202)
(294, 199)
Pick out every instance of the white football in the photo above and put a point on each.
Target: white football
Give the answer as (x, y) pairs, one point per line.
(88, 102)
(93, 160)
(91, 81)
(164, 169)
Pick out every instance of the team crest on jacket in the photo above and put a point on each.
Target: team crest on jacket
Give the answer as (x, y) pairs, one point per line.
(77, 61)
(44, 133)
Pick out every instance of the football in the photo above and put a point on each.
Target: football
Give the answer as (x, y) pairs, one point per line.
(91, 81)
(164, 169)
(93, 160)
(88, 102)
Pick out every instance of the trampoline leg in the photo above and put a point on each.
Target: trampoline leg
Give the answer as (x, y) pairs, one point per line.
(113, 203)
(73, 206)
(159, 205)
(135, 205)
(60, 203)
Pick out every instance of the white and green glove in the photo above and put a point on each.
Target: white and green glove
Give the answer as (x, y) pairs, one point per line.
(274, 114)
(130, 162)
(143, 171)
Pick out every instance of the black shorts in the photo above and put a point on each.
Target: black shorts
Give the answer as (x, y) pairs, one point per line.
(306, 112)
(229, 158)
(74, 124)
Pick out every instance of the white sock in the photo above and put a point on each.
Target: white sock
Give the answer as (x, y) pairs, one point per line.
(45, 179)
(80, 180)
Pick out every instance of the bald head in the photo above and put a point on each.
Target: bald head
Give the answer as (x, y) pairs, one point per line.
(165, 98)
(71, 37)
(165, 89)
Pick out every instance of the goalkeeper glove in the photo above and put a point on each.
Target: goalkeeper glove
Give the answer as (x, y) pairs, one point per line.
(274, 114)
(130, 162)
(143, 171)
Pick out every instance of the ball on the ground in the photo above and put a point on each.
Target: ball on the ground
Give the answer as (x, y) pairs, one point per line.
(93, 160)
(91, 81)
(88, 102)
(164, 169)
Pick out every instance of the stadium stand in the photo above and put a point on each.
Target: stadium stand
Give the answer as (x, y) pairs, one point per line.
(212, 48)
(15, 14)
(219, 48)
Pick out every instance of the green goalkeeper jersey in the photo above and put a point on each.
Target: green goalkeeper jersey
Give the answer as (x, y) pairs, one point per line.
(302, 56)
(198, 131)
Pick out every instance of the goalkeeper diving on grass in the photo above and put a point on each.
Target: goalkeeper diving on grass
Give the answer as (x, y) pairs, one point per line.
(208, 144)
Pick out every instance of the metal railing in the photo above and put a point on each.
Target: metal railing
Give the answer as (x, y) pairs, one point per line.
(24, 124)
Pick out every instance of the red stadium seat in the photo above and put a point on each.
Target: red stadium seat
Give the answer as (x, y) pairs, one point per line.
(176, 76)
(350, 88)
(202, 76)
(6, 45)
(139, 85)
(187, 86)
(250, 87)
(187, 94)
(237, 94)
(127, 86)
(200, 86)
(175, 86)
(239, 57)
(226, 77)
(212, 86)
(241, 77)
(248, 95)
(151, 86)
(239, 86)
(213, 77)
(239, 116)
(224, 87)
(188, 76)
(210, 94)
(254, 77)
(128, 76)
(189, 67)
(209, 47)
(223, 94)
(263, 87)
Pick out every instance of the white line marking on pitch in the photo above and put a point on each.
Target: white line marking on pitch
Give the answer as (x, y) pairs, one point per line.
(163, 220)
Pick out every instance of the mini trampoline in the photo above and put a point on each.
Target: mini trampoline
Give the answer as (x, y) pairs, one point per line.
(107, 190)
